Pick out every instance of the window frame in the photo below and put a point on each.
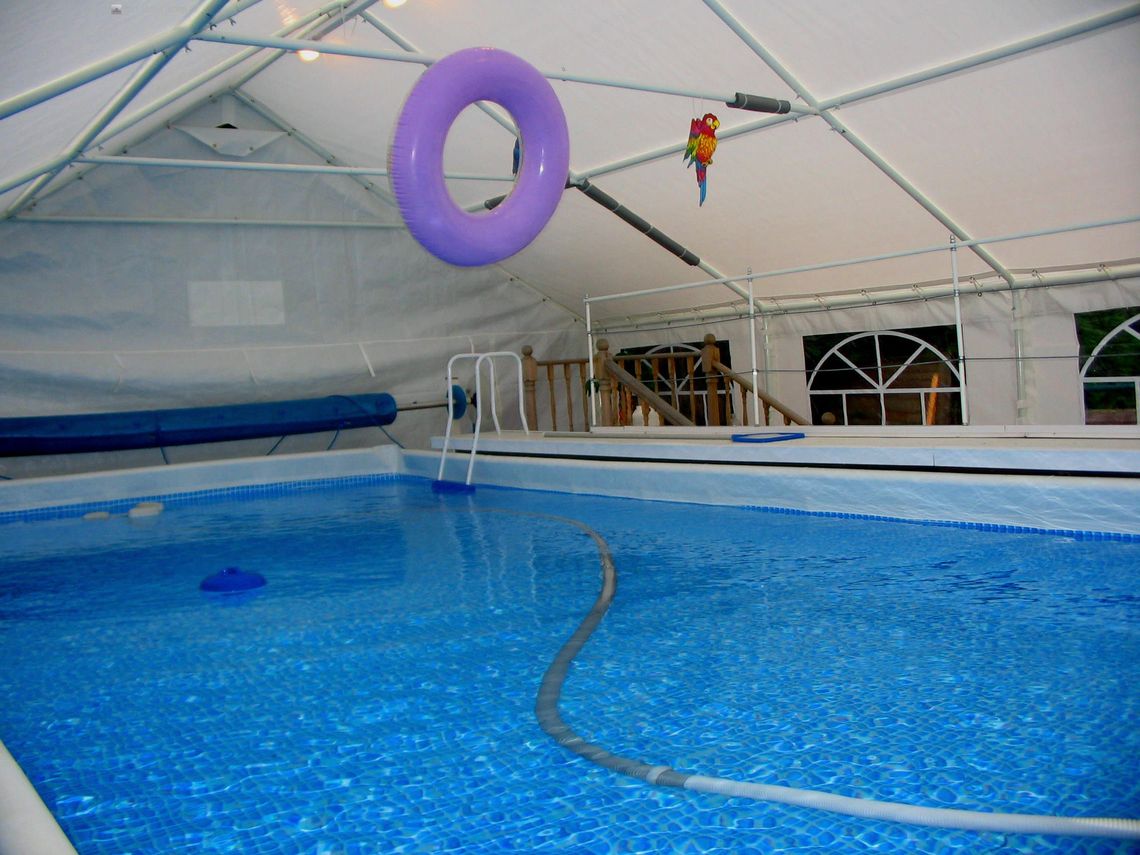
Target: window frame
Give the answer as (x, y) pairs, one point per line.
(880, 385)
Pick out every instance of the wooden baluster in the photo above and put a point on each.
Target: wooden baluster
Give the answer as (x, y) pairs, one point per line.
(583, 377)
(530, 378)
(553, 396)
(654, 384)
(569, 396)
(625, 411)
(743, 405)
(710, 355)
(768, 414)
(673, 383)
(690, 367)
(605, 384)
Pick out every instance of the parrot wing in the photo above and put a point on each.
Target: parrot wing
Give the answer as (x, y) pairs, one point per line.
(694, 136)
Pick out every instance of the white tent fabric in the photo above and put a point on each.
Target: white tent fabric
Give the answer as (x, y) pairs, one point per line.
(132, 276)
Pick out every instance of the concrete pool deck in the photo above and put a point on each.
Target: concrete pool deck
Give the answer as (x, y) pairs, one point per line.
(1064, 478)
(1014, 450)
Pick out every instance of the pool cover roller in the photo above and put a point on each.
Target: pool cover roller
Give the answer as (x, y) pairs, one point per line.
(70, 434)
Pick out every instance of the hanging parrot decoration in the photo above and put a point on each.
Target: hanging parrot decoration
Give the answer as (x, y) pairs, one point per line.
(702, 144)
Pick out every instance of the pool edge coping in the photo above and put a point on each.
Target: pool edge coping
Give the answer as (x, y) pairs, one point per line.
(27, 825)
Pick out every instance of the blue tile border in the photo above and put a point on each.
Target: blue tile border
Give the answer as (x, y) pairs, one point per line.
(189, 497)
(1076, 534)
(291, 486)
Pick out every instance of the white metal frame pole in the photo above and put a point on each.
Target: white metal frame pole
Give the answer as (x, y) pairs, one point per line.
(591, 385)
(262, 166)
(172, 40)
(849, 136)
(310, 23)
(888, 86)
(310, 26)
(197, 19)
(767, 354)
(882, 296)
(963, 394)
(204, 221)
(752, 342)
(413, 56)
(1046, 39)
(79, 77)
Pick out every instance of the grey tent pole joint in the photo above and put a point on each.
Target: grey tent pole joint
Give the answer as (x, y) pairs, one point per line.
(759, 103)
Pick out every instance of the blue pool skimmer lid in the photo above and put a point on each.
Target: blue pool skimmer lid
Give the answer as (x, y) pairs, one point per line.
(232, 580)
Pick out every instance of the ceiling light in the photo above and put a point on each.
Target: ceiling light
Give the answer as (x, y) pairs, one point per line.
(308, 55)
(394, 4)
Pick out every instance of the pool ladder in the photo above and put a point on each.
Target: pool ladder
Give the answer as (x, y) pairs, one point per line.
(440, 485)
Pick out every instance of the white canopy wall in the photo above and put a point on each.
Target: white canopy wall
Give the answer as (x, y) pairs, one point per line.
(124, 284)
(104, 315)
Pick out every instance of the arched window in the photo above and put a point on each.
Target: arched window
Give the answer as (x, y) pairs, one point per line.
(1110, 375)
(885, 378)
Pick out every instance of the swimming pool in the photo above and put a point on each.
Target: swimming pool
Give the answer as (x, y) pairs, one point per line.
(378, 694)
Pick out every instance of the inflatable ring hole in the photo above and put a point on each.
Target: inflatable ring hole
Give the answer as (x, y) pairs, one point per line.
(472, 123)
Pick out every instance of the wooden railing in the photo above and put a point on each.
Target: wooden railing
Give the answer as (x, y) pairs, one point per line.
(574, 375)
(767, 402)
(684, 388)
(669, 372)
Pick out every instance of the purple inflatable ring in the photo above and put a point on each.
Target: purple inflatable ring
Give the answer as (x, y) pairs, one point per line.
(415, 164)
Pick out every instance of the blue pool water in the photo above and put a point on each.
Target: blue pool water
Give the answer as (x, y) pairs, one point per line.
(378, 694)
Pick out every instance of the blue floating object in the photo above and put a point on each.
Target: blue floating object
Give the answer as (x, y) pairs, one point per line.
(231, 580)
(451, 487)
(767, 437)
(30, 435)
(458, 402)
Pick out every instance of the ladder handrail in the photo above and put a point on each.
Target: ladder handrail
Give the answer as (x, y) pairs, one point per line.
(479, 358)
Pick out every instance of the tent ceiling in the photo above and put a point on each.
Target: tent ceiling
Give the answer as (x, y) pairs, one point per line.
(1043, 138)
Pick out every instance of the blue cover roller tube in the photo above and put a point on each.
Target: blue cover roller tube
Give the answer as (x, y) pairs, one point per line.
(70, 434)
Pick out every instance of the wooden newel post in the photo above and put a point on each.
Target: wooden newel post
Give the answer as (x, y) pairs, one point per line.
(530, 377)
(604, 384)
(710, 356)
